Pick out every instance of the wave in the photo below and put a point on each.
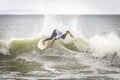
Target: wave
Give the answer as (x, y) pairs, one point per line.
(105, 47)
(18, 46)
(98, 45)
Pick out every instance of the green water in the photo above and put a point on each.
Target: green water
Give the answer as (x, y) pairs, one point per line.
(62, 61)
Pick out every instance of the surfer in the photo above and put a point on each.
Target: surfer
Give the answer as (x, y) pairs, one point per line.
(57, 35)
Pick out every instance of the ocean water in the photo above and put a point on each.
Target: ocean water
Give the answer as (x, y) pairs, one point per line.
(92, 54)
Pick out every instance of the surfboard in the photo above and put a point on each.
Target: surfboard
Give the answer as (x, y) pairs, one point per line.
(42, 46)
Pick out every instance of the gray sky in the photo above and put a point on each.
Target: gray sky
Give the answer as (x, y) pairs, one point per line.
(59, 6)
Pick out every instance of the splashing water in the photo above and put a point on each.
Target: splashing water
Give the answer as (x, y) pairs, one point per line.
(72, 58)
(102, 45)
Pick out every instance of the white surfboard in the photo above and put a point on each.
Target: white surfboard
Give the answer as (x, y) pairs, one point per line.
(41, 45)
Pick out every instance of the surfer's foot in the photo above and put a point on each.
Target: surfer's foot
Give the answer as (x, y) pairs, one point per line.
(43, 42)
(71, 36)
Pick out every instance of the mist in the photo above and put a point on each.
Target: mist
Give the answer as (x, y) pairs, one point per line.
(20, 26)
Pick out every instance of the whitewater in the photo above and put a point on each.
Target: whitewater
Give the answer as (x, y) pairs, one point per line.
(92, 54)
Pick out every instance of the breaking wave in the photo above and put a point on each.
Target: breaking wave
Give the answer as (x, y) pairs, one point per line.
(105, 47)
(72, 54)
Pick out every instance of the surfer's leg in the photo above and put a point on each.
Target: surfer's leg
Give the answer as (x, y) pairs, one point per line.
(52, 36)
(47, 39)
(53, 41)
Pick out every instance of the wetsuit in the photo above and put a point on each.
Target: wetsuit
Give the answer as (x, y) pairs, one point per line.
(57, 34)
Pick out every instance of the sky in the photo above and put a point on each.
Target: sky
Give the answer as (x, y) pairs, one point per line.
(60, 7)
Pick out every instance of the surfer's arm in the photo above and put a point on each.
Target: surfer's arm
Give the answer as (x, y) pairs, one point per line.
(68, 32)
